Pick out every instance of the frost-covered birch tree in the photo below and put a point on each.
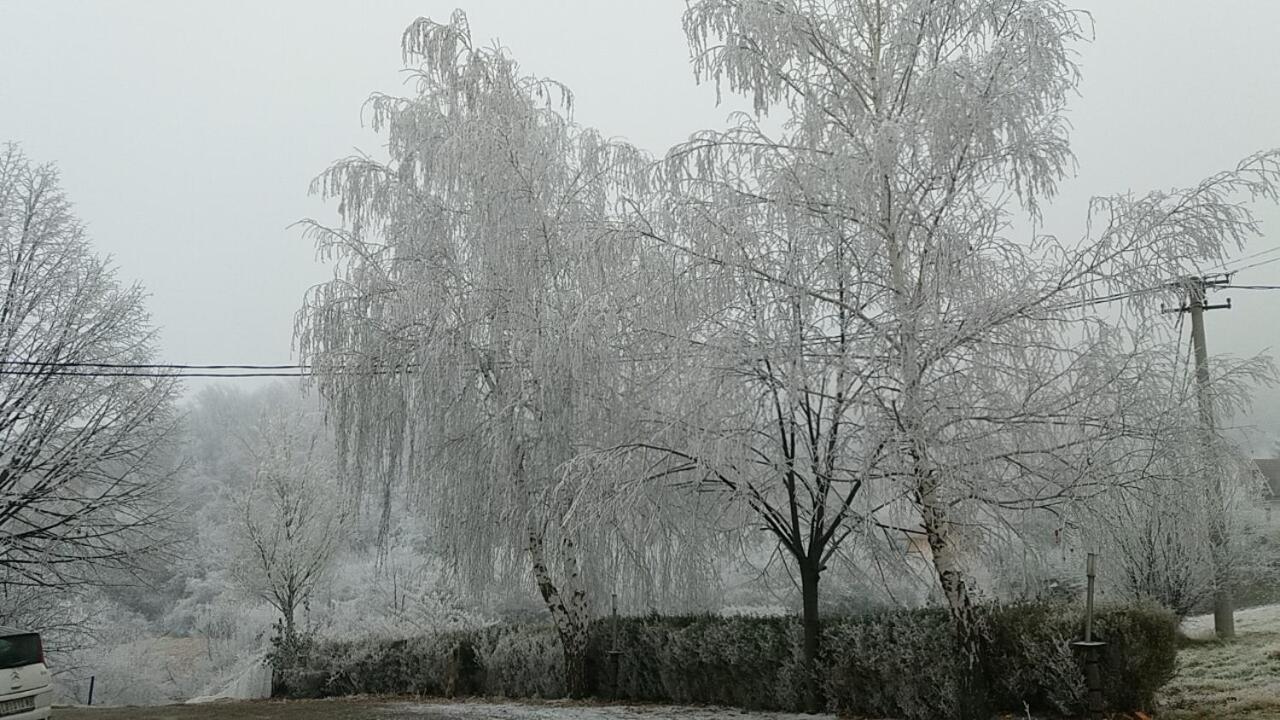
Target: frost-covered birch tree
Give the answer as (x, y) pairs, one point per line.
(476, 340)
(917, 130)
(84, 456)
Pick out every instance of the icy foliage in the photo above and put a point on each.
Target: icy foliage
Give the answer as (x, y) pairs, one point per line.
(404, 594)
(582, 364)
(479, 335)
(754, 611)
(291, 516)
(912, 131)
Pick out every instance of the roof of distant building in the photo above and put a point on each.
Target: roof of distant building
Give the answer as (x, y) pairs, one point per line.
(1270, 469)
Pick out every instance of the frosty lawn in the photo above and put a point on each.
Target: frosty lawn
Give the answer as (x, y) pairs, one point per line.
(1215, 681)
(1238, 680)
(381, 709)
(568, 711)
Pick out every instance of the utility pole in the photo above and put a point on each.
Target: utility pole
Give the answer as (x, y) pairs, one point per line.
(1224, 623)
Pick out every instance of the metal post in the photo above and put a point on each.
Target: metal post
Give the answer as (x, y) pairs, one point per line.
(1090, 574)
(614, 653)
(1091, 648)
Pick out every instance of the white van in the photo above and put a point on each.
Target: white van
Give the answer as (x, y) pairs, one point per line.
(26, 689)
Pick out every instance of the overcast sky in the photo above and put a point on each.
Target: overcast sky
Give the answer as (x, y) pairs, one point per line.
(187, 132)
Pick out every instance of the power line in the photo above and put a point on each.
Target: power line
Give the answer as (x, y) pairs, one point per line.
(141, 374)
(1114, 297)
(249, 370)
(1254, 265)
(37, 368)
(1268, 251)
(147, 366)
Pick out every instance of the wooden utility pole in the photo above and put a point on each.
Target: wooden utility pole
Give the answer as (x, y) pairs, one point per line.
(1224, 623)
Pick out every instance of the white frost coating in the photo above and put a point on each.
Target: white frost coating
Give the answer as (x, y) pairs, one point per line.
(290, 517)
(481, 335)
(85, 463)
(913, 130)
(831, 325)
(565, 711)
(251, 682)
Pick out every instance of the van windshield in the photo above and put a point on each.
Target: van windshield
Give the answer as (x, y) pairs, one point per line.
(18, 650)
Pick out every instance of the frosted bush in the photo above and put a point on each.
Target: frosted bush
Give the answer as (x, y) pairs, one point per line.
(404, 595)
(524, 663)
(755, 611)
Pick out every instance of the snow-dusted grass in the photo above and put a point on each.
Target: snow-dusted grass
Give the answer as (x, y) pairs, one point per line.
(1238, 680)
(566, 710)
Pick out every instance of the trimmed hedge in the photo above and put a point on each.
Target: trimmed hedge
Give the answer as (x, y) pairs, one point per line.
(700, 660)
(505, 660)
(901, 664)
(1031, 660)
(892, 664)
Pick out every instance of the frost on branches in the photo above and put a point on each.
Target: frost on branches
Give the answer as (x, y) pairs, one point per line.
(911, 133)
(290, 518)
(824, 318)
(83, 457)
(476, 340)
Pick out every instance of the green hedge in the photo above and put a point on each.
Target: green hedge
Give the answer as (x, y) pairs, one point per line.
(505, 660)
(1030, 658)
(900, 664)
(891, 664)
(700, 660)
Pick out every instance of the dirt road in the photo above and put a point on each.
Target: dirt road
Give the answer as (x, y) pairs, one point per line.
(399, 709)
(344, 709)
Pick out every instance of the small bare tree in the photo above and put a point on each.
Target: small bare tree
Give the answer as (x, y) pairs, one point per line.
(1160, 532)
(290, 520)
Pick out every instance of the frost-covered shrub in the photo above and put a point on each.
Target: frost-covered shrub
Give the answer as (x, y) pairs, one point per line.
(499, 660)
(747, 662)
(1257, 569)
(1030, 659)
(894, 664)
(884, 664)
(521, 661)
(402, 595)
(754, 611)
(1141, 655)
(899, 664)
(414, 666)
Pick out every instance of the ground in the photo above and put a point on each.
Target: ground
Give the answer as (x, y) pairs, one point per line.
(387, 709)
(1238, 680)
